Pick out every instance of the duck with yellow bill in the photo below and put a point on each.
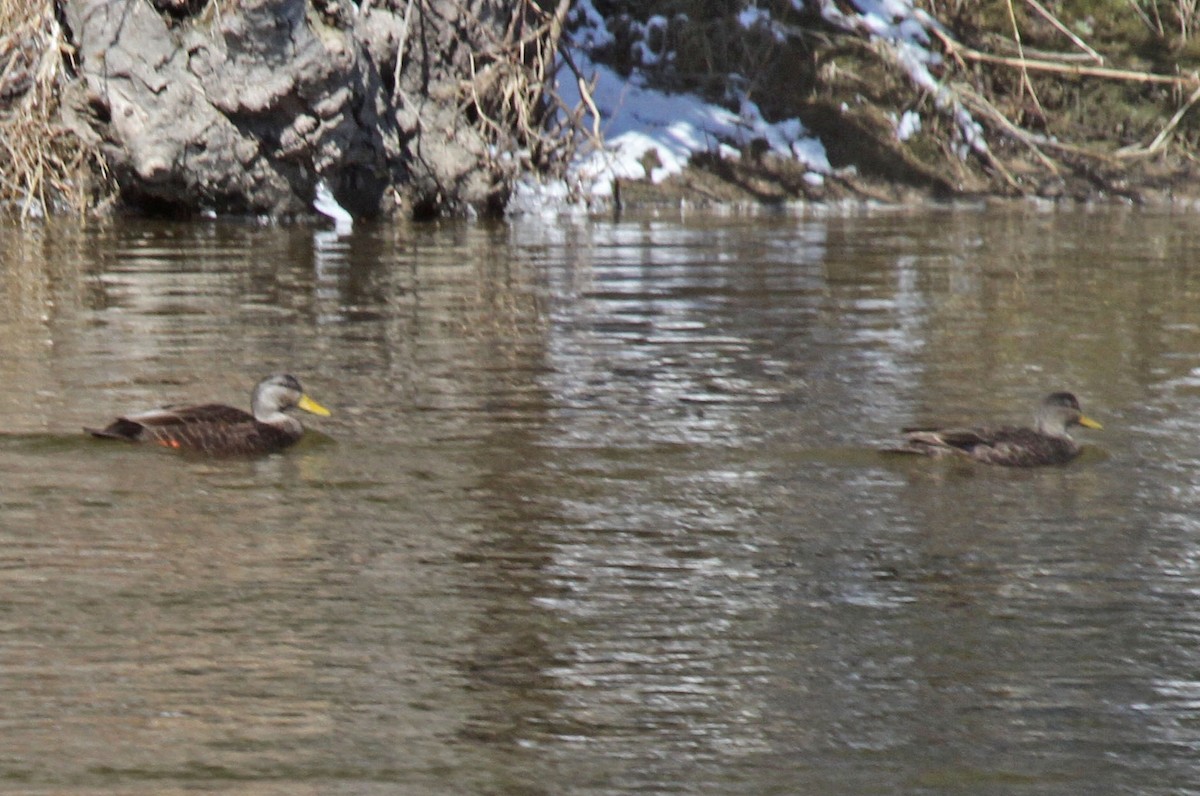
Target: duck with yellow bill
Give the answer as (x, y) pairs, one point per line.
(220, 430)
(1011, 446)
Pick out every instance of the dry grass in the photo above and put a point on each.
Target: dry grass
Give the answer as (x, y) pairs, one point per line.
(44, 168)
(511, 98)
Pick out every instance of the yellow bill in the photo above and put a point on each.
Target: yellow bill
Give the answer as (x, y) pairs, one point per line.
(309, 405)
(1087, 422)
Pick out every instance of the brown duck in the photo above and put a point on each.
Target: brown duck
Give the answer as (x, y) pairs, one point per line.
(220, 430)
(1012, 446)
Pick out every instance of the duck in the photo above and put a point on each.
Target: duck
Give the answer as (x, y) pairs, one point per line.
(220, 430)
(1047, 443)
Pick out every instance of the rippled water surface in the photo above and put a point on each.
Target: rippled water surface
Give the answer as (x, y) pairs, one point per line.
(600, 509)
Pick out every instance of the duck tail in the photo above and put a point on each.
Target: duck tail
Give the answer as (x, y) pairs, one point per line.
(118, 429)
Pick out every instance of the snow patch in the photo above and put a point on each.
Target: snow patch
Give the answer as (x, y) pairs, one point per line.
(326, 205)
(649, 134)
(908, 125)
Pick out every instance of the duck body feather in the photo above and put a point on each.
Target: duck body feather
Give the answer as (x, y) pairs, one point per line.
(1047, 443)
(220, 430)
(1009, 446)
(214, 429)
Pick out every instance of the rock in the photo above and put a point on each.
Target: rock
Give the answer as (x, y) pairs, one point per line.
(243, 108)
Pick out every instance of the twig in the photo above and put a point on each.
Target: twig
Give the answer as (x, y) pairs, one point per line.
(1026, 83)
(585, 95)
(949, 103)
(1036, 53)
(1063, 29)
(1137, 9)
(1074, 70)
(1161, 139)
(400, 51)
(980, 103)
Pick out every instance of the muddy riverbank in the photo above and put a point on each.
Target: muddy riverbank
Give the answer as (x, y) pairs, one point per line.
(432, 108)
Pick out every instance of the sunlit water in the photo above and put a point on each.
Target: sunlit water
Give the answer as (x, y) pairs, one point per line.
(600, 509)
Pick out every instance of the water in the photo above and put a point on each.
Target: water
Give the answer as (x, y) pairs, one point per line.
(600, 509)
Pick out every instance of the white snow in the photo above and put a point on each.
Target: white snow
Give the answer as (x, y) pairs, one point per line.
(649, 134)
(908, 125)
(326, 205)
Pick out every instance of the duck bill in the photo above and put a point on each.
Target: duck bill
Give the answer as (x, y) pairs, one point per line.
(309, 405)
(1087, 422)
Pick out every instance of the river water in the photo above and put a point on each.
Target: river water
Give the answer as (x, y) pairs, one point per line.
(600, 508)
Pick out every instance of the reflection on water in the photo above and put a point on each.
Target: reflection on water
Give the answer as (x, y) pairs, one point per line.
(599, 508)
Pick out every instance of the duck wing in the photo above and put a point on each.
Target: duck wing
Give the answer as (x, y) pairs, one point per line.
(169, 416)
(938, 441)
(1010, 446)
(132, 427)
(1024, 447)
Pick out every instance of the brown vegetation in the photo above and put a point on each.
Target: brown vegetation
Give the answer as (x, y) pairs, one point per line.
(1075, 99)
(44, 167)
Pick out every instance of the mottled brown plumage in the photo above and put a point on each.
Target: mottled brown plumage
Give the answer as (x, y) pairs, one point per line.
(1010, 446)
(216, 429)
